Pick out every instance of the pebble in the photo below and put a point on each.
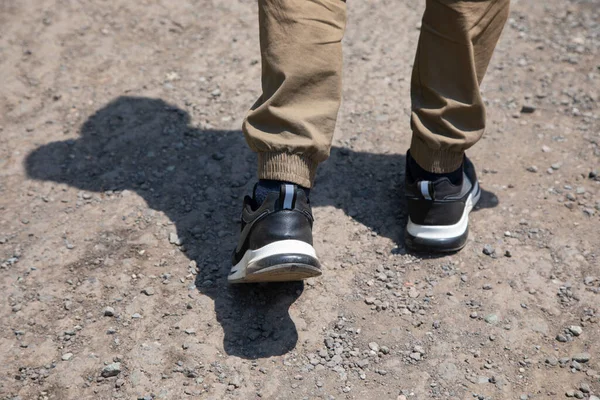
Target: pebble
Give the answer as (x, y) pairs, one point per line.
(374, 346)
(561, 338)
(532, 168)
(370, 300)
(109, 370)
(109, 312)
(589, 280)
(67, 356)
(584, 387)
(174, 239)
(581, 357)
(136, 316)
(575, 330)
(528, 109)
(148, 291)
(488, 250)
(491, 318)
(553, 361)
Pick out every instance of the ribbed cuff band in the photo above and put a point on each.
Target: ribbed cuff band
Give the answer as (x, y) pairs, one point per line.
(436, 161)
(295, 168)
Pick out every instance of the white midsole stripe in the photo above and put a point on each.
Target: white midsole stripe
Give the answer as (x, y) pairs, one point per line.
(445, 231)
(279, 247)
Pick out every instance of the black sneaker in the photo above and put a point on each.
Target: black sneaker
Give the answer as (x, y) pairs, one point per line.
(438, 211)
(276, 239)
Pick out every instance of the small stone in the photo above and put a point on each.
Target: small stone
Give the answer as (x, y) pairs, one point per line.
(148, 291)
(67, 356)
(487, 286)
(109, 370)
(109, 312)
(579, 395)
(415, 356)
(190, 331)
(136, 316)
(370, 300)
(589, 280)
(584, 387)
(174, 239)
(553, 361)
(570, 393)
(413, 293)
(581, 357)
(528, 109)
(236, 381)
(488, 250)
(532, 168)
(575, 330)
(491, 318)
(374, 346)
(561, 338)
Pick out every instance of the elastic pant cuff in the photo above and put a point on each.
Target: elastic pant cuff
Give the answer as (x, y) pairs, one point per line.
(436, 161)
(295, 168)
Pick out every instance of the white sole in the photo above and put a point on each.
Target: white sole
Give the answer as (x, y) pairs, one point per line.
(283, 250)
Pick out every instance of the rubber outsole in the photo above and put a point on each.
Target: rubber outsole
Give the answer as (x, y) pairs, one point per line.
(421, 245)
(279, 268)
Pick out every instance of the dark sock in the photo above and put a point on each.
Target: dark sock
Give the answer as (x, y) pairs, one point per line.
(455, 177)
(266, 186)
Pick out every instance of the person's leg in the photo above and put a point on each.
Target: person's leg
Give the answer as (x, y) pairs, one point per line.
(455, 47)
(448, 116)
(291, 125)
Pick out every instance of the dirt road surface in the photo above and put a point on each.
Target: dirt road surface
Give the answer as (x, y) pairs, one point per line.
(122, 171)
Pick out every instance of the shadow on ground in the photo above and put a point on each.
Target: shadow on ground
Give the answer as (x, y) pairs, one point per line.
(198, 178)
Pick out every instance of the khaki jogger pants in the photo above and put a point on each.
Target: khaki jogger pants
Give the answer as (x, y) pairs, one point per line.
(291, 125)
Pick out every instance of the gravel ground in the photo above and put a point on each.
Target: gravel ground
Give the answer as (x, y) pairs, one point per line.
(122, 170)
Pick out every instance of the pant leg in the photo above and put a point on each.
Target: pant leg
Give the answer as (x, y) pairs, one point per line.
(291, 125)
(456, 43)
